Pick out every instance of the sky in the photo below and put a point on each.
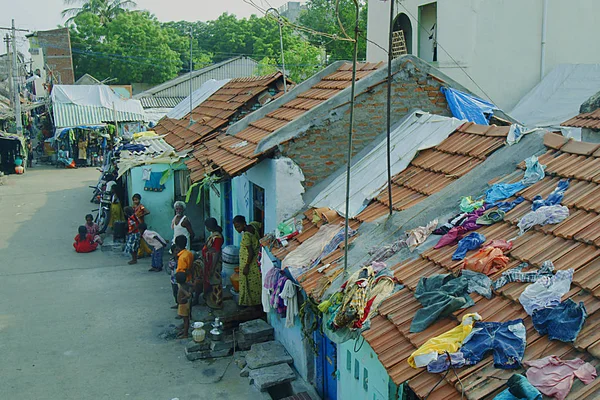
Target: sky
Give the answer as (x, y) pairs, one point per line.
(45, 14)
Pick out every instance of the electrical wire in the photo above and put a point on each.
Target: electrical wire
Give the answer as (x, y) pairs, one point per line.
(447, 53)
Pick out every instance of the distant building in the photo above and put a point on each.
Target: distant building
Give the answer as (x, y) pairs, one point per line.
(507, 47)
(291, 10)
(159, 100)
(51, 55)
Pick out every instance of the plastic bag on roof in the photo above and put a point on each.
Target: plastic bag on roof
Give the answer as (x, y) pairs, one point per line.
(534, 171)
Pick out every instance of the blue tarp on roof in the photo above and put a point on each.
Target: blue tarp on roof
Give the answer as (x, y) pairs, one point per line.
(465, 106)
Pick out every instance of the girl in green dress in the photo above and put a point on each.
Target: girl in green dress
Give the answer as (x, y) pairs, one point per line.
(250, 279)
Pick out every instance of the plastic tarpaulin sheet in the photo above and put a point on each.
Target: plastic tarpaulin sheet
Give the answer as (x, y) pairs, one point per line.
(198, 97)
(465, 106)
(95, 96)
(558, 96)
(368, 176)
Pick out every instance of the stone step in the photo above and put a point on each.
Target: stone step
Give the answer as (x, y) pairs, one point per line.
(264, 378)
(267, 354)
(255, 329)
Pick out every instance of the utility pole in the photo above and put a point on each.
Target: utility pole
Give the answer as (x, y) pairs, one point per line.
(191, 75)
(18, 119)
(15, 76)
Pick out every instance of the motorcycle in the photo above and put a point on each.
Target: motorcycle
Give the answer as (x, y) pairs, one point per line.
(103, 212)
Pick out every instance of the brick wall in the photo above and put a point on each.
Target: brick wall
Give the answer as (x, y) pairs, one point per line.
(322, 148)
(56, 45)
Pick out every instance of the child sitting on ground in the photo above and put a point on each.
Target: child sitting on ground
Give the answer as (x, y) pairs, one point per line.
(92, 228)
(184, 296)
(158, 244)
(84, 242)
(132, 244)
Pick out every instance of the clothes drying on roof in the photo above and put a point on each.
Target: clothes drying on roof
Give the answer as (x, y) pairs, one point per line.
(445, 361)
(519, 388)
(517, 275)
(478, 283)
(452, 222)
(449, 342)
(466, 223)
(547, 291)
(561, 322)
(413, 239)
(553, 198)
(534, 171)
(554, 377)
(506, 206)
(417, 236)
(506, 341)
(471, 242)
(542, 216)
(491, 217)
(488, 261)
(362, 294)
(440, 295)
(333, 244)
(501, 191)
(290, 300)
(467, 204)
(500, 244)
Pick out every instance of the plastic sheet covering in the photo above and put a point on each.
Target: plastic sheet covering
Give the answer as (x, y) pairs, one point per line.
(558, 96)
(301, 258)
(198, 97)
(95, 96)
(368, 176)
(471, 108)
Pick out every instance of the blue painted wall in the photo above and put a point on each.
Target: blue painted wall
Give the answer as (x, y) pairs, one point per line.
(160, 204)
(351, 372)
(293, 341)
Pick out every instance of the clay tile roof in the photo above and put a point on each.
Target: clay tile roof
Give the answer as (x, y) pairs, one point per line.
(235, 160)
(238, 97)
(574, 243)
(589, 120)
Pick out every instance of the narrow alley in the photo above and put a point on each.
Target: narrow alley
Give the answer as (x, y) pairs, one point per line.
(86, 326)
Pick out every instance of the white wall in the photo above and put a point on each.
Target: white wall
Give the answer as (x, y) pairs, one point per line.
(498, 42)
(282, 181)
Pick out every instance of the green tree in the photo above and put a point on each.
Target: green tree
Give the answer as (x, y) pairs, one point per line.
(132, 47)
(266, 66)
(321, 16)
(303, 61)
(106, 10)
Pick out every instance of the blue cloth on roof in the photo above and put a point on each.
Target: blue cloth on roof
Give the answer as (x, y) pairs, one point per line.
(153, 184)
(465, 106)
(332, 245)
(519, 388)
(506, 206)
(553, 198)
(470, 242)
(534, 171)
(501, 191)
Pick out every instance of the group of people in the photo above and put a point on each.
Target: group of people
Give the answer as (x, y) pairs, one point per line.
(191, 279)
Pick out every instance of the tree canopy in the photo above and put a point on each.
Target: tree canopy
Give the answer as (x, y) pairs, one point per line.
(110, 41)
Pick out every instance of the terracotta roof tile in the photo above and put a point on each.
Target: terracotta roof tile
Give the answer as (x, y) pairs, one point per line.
(577, 147)
(589, 120)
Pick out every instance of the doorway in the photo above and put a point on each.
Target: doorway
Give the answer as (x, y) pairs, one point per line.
(428, 32)
(326, 366)
(258, 205)
(402, 23)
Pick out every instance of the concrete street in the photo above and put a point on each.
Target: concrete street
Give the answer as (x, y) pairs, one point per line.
(86, 326)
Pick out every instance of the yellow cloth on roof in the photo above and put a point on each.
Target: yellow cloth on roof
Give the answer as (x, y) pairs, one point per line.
(449, 342)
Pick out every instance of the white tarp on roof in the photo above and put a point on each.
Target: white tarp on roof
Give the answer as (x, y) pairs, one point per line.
(157, 152)
(558, 96)
(94, 96)
(198, 97)
(368, 176)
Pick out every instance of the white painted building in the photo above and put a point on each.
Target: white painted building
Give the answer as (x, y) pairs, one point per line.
(505, 46)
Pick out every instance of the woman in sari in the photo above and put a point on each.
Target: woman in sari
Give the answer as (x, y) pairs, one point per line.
(141, 212)
(116, 210)
(250, 279)
(211, 255)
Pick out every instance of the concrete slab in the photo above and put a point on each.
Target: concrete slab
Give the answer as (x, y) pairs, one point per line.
(264, 378)
(255, 329)
(266, 354)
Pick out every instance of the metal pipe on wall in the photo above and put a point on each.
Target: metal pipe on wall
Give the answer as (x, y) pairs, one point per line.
(544, 31)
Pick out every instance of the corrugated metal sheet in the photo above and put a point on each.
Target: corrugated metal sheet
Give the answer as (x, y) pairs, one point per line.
(69, 115)
(160, 102)
(237, 67)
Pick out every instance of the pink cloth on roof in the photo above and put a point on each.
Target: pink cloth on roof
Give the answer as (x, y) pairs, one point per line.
(554, 377)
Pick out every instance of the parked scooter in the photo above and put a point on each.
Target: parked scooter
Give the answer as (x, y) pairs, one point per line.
(103, 212)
